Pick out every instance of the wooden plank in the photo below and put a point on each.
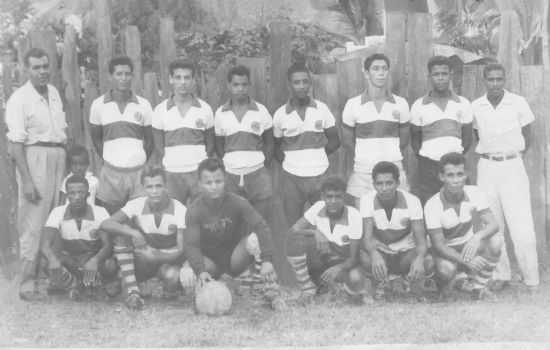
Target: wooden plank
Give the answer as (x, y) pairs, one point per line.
(46, 40)
(150, 88)
(104, 42)
(396, 24)
(508, 48)
(258, 79)
(132, 48)
(216, 91)
(545, 148)
(167, 52)
(91, 92)
(71, 82)
(280, 51)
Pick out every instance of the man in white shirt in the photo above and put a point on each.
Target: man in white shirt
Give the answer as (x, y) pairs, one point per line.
(503, 126)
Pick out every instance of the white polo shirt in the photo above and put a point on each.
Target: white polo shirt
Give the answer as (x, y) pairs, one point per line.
(31, 119)
(243, 138)
(376, 133)
(304, 140)
(163, 236)
(350, 226)
(441, 129)
(78, 240)
(456, 226)
(184, 146)
(406, 210)
(500, 128)
(122, 132)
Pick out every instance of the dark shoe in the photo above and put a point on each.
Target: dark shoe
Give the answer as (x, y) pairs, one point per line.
(134, 301)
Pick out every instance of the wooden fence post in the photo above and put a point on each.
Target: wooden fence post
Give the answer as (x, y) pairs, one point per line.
(45, 39)
(150, 88)
(167, 52)
(132, 47)
(508, 45)
(104, 42)
(71, 82)
(396, 35)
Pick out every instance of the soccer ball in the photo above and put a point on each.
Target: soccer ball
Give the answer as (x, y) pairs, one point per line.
(213, 298)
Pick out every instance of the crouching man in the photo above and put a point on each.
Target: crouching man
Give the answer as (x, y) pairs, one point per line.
(225, 234)
(148, 237)
(394, 234)
(461, 227)
(77, 254)
(323, 245)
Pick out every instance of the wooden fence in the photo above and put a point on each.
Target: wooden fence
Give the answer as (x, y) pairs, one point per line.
(406, 45)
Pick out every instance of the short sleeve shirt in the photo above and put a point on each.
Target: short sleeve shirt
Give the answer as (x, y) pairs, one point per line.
(499, 128)
(303, 140)
(376, 132)
(456, 225)
(184, 136)
(441, 129)
(164, 235)
(349, 227)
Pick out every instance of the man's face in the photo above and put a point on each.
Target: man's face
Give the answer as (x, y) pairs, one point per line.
(334, 201)
(39, 70)
(154, 188)
(385, 185)
(378, 73)
(494, 82)
(453, 178)
(122, 77)
(440, 77)
(212, 183)
(239, 87)
(182, 81)
(76, 195)
(300, 83)
(79, 165)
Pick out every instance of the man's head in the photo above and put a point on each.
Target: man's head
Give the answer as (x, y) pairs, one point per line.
(452, 172)
(182, 77)
(121, 69)
(211, 174)
(299, 78)
(333, 192)
(38, 65)
(494, 76)
(439, 72)
(376, 68)
(153, 179)
(238, 79)
(79, 160)
(385, 179)
(76, 188)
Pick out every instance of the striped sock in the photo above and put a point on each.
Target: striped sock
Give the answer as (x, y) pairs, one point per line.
(299, 265)
(481, 279)
(125, 258)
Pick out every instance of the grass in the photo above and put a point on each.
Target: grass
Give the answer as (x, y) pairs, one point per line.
(516, 316)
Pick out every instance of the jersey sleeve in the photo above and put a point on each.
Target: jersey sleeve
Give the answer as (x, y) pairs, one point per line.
(330, 121)
(131, 209)
(415, 208)
(218, 123)
(432, 214)
(181, 213)
(15, 120)
(366, 206)
(267, 121)
(147, 113)
(356, 224)
(416, 117)
(101, 214)
(158, 122)
(55, 218)
(467, 112)
(404, 111)
(348, 116)
(95, 115)
(313, 212)
(480, 199)
(209, 116)
(277, 128)
(525, 114)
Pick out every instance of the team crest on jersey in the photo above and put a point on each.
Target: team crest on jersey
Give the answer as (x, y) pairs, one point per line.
(255, 126)
(138, 117)
(345, 239)
(199, 123)
(319, 124)
(396, 115)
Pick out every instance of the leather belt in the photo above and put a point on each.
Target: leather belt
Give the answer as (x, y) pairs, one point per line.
(48, 144)
(499, 158)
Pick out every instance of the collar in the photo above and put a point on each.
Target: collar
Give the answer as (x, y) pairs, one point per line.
(34, 93)
(447, 204)
(341, 220)
(171, 103)
(88, 215)
(252, 106)
(291, 105)
(108, 97)
(429, 99)
(505, 98)
(169, 209)
(365, 97)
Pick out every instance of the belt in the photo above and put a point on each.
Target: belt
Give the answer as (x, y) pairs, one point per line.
(48, 144)
(500, 158)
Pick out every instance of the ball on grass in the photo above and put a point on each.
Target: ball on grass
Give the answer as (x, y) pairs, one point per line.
(213, 298)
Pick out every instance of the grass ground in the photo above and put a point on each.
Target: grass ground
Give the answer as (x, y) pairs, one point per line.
(516, 316)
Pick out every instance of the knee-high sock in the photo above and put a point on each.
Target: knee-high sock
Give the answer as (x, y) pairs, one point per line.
(299, 265)
(125, 258)
(481, 278)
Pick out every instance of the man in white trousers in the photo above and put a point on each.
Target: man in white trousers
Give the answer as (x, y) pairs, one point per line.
(502, 125)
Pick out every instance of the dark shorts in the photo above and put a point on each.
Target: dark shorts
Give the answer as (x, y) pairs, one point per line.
(256, 185)
(393, 261)
(182, 186)
(428, 182)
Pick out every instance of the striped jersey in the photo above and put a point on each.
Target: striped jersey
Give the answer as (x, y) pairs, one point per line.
(348, 227)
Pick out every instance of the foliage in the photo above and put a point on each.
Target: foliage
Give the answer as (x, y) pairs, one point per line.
(15, 21)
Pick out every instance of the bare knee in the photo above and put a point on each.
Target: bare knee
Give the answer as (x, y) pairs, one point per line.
(170, 274)
(110, 268)
(356, 276)
(494, 246)
(445, 269)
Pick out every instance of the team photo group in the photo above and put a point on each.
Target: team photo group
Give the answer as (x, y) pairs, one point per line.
(185, 194)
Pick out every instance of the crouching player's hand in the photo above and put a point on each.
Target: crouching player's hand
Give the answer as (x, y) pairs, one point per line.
(332, 274)
(268, 272)
(91, 274)
(187, 277)
(417, 269)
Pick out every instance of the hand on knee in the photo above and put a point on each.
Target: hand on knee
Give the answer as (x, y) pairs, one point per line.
(253, 245)
(445, 270)
(187, 276)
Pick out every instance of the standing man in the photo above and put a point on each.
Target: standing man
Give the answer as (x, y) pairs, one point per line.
(376, 127)
(441, 123)
(36, 133)
(244, 139)
(503, 126)
(120, 124)
(183, 132)
(305, 133)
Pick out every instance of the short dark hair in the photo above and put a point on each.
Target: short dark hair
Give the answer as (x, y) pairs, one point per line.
(333, 183)
(240, 70)
(182, 64)
(78, 151)
(375, 57)
(385, 168)
(492, 67)
(297, 68)
(120, 61)
(76, 179)
(210, 164)
(453, 158)
(34, 52)
(153, 171)
(438, 61)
